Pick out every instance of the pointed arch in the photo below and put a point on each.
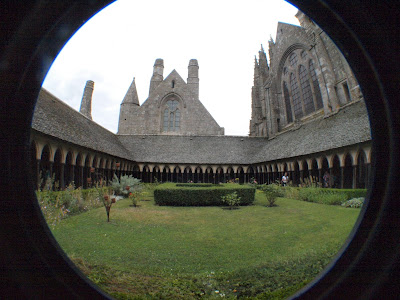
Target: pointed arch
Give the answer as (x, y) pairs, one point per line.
(296, 173)
(230, 173)
(336, 176)
(241, 174)
(219, 175)
(45, 167)
(146, 174)
(177, 174)
(187, 174)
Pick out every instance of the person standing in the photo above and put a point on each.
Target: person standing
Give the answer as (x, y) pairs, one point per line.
(285, 179)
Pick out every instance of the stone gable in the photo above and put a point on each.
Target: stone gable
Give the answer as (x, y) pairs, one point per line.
(191, 117)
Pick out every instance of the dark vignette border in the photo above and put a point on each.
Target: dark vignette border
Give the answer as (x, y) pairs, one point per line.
(32, 263)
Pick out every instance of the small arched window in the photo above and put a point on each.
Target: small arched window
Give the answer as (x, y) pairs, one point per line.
(172, 116)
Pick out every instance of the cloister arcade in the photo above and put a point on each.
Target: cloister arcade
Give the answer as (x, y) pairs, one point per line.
(348, 167)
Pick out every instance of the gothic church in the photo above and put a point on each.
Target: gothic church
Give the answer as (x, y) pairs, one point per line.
(308, 118)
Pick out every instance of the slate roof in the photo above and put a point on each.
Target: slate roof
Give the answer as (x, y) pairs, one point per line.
(347, 127)
(55, 118)
(193, 149)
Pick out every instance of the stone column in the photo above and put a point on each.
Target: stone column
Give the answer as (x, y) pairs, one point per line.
(81, 175)
(62, 181)
(330, 177)
(355, 174)
(342, 177)
(320, 176)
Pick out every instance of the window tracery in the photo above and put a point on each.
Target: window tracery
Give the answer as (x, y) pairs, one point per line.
(172, 116)
(288, 106)
(293, 59)
(300, 88)
(317, 91)
(306, 89)
(297, 107)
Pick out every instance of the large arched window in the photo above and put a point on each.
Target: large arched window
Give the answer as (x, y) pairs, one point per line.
(288, 106)
(317, 91)
(172, 116)
(300, 87)
(298, 110)
(306, 89)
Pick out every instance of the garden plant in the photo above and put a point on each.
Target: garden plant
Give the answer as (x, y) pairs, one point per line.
(232, 200)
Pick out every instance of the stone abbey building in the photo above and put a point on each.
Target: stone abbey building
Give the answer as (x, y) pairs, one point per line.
(308, 118)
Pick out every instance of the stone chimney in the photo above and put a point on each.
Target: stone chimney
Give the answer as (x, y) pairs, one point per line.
(86, 104)
(193, 78)
(158, 76)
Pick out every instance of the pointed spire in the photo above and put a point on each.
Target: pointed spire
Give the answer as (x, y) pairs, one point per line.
(262, 57)
(271, 40)
(131, 95)
(256, 70)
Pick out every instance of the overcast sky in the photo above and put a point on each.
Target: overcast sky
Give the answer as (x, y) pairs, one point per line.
(123, 41)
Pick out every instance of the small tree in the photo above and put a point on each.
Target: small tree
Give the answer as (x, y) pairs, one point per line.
(106, 195)
(231, 200)
(272, 192)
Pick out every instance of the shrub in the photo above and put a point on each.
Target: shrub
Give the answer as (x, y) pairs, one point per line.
(125, 185)
(327, 196)
(354, 203)
(57, 205)
(173, 195)
(272, 191)
(274, 188)
(231, 200)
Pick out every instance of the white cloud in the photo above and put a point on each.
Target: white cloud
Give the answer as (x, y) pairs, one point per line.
(123, 41)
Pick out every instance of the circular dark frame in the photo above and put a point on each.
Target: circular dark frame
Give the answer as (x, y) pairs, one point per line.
(34, 265)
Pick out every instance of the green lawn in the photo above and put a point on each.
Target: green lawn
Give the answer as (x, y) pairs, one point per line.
(183, 252)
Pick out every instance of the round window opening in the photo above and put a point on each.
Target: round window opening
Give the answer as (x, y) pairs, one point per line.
(67, 162)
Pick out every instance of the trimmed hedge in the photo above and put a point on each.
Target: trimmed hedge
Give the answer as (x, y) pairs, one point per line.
(170, 194)
(196, 185)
